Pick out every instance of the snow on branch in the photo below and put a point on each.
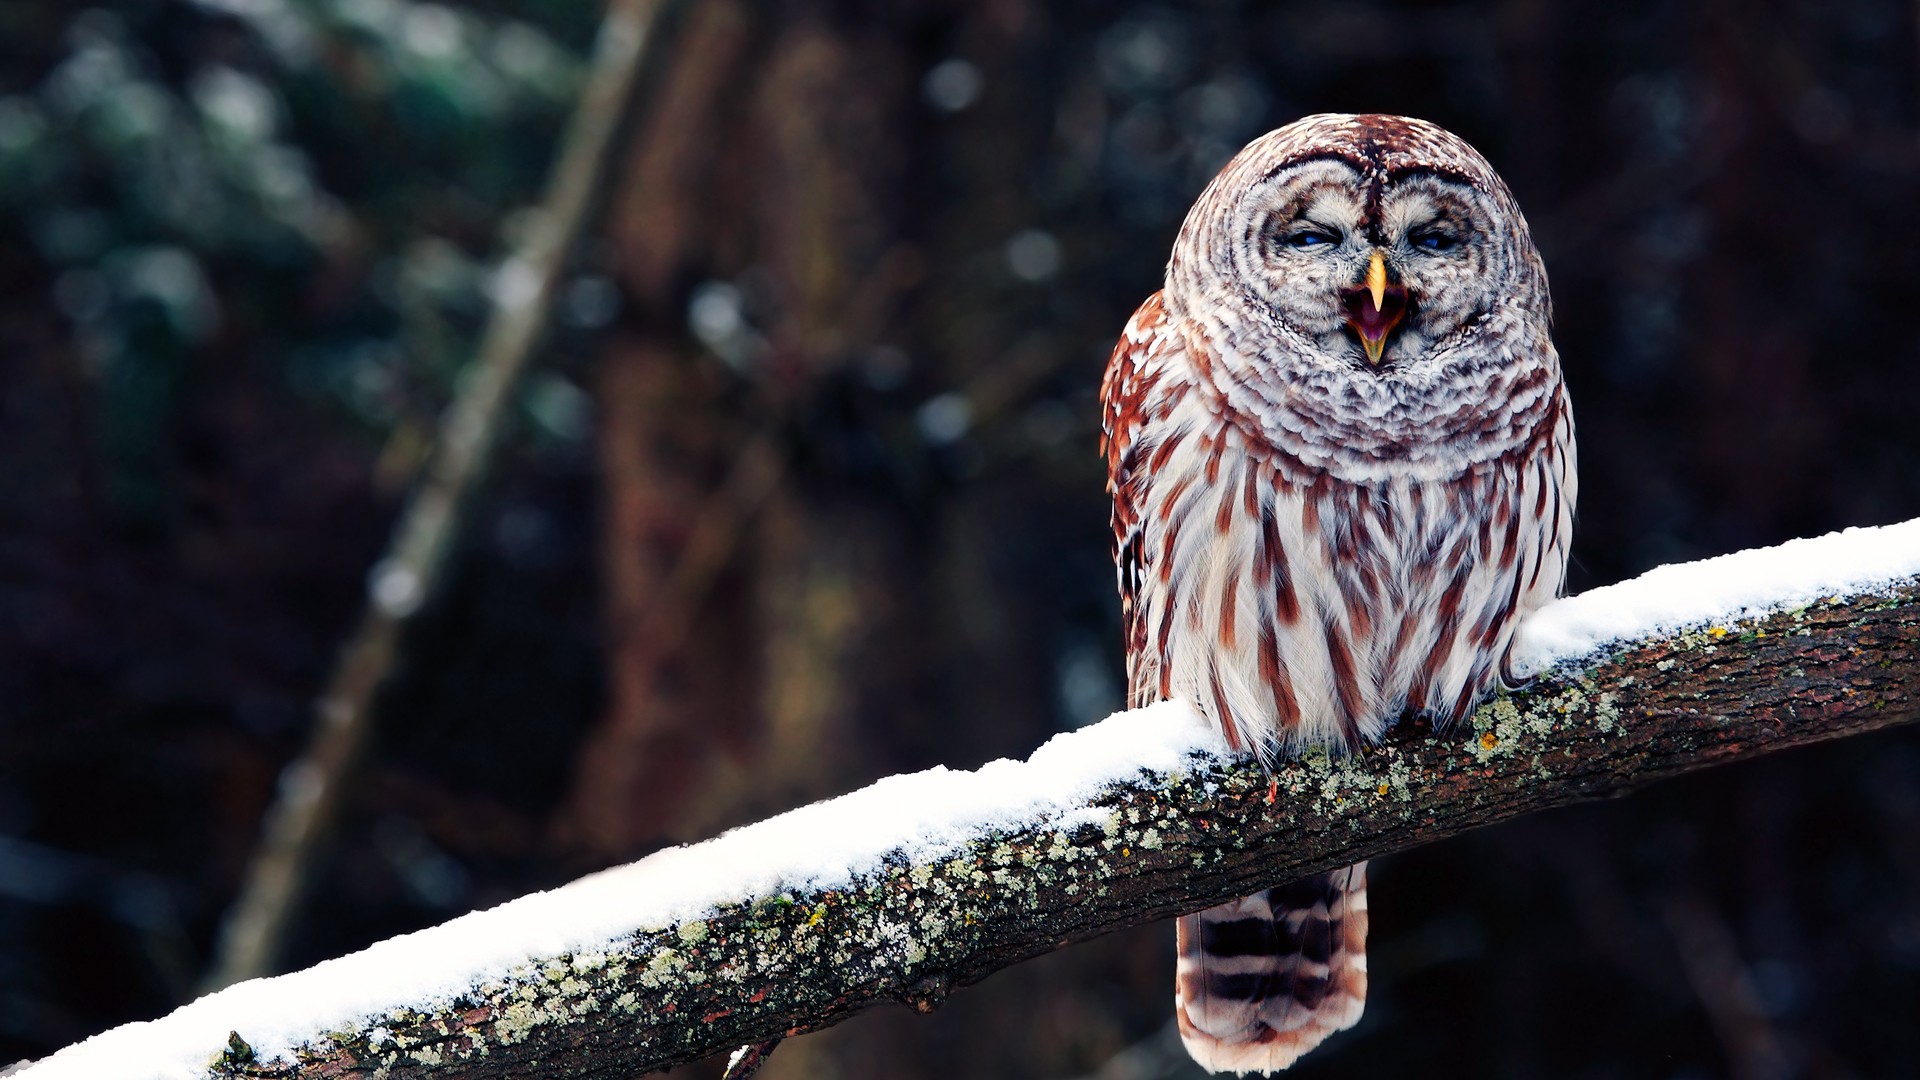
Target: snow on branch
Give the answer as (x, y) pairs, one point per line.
(923, 883)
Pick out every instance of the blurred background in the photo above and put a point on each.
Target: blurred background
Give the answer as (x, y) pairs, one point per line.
(801, 487)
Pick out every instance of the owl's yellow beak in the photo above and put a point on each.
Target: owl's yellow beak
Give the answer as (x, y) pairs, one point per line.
(1375, 308)
(1377, 280)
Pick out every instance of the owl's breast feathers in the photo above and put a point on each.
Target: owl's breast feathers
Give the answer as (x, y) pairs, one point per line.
(1296, 608)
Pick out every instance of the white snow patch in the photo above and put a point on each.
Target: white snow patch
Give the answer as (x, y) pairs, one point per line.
(922, 817)
(1717, 591)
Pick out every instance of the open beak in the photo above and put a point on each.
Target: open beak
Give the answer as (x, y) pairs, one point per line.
(1374, 308)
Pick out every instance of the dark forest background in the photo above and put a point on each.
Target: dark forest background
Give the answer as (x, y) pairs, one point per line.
(803, 490)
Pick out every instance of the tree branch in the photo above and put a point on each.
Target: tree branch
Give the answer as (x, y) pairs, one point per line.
(777, 964)
(409, 574)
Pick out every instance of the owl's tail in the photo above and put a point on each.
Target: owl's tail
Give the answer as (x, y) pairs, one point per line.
(1264, 979)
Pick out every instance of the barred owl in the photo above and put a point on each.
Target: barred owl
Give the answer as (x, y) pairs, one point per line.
(1342, 468)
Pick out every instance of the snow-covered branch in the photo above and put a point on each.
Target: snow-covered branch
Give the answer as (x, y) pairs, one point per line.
(923, 883)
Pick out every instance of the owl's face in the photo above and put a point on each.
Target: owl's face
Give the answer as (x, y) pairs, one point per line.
(1366, 244)
(1427, 244)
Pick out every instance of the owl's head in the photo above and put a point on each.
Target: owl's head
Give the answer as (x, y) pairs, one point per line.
(1365, 244)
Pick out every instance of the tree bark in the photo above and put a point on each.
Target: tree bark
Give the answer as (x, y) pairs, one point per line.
(1160, 845)
(773, 166)
(677, 710)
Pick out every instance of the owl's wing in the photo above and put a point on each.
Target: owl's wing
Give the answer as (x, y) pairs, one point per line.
(1132, 386)
(1547, 487)
(1264, 979)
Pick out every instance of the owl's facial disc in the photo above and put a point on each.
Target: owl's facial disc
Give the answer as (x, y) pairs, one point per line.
(1382, 273)
(1375, 308)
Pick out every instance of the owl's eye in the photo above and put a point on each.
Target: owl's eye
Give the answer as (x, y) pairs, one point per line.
(1311, 238)
(1434, 240)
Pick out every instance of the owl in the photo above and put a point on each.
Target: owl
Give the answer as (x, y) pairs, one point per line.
(1342, 467)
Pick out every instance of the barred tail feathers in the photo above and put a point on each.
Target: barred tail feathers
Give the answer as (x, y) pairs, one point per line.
(1266, 978)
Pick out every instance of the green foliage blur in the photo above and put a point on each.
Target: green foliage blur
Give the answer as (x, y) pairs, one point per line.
(317, 187)
(245, 250)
